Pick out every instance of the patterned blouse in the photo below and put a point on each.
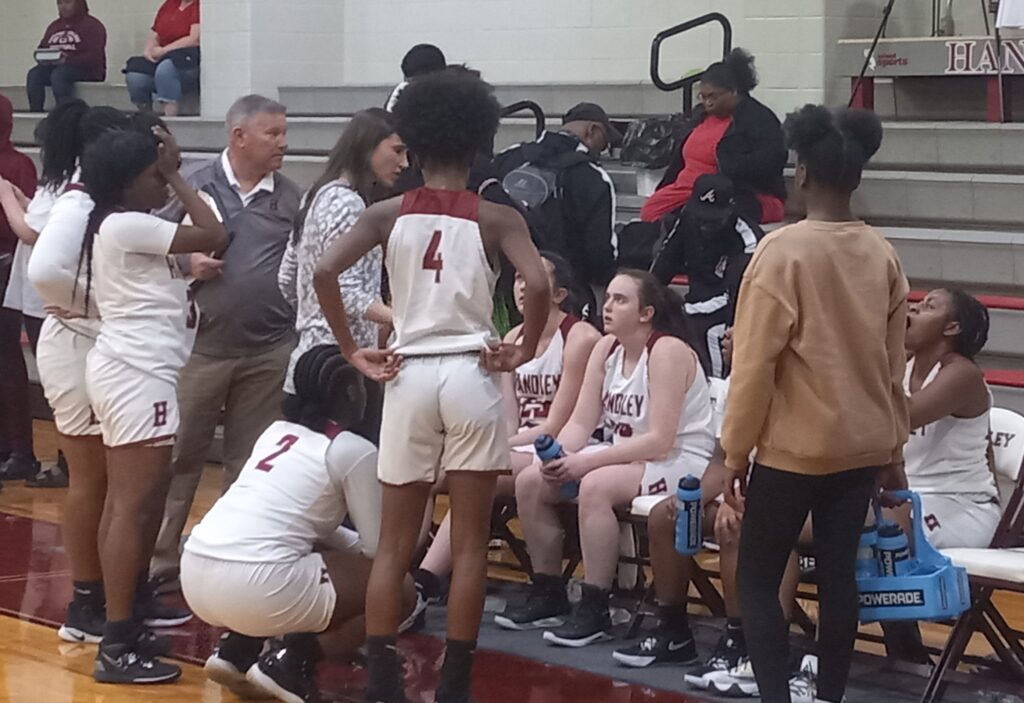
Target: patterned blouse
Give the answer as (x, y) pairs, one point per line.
(335, 209)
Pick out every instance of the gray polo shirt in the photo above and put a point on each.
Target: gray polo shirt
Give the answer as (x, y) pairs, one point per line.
(242, 312)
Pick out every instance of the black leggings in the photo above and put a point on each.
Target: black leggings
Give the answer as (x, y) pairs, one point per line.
(777, 506)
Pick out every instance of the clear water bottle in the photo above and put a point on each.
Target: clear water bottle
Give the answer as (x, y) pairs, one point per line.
(893, 551)
(689, 516)
(867, 553)
(548, 449)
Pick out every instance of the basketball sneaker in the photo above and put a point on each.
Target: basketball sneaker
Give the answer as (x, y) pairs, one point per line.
(121, 663)
(727, 654)
(589, 622)
(546, 605)
(736, 682)
(156, 613)
(17, 467)
(227, 666)
(83, 624)
(286, 676)
(658, 649)
(802, 685)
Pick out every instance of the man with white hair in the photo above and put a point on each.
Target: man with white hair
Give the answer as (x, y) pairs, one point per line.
(246, 328)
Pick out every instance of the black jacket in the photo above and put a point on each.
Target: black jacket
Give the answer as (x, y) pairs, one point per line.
(752, 152)
(588, 204)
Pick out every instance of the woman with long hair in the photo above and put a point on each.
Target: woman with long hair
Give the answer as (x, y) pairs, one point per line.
(645, 387)
(361, 168)
(145, 337)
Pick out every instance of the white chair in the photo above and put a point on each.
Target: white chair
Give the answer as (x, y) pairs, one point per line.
(1000, 567)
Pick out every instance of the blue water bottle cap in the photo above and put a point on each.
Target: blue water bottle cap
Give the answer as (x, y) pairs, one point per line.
(689, 483)
(890, 529)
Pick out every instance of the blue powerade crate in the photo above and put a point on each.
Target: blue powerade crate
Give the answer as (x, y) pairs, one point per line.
(934, 589)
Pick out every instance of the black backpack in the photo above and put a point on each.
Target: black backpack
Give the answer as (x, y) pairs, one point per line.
(535, 188)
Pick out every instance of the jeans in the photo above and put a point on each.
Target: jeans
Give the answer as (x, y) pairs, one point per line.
(62, 77)
(169, 82)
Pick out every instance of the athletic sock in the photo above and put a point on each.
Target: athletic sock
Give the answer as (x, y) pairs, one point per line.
(456, 672)
(89, 593)
(428, 582)
(384, 671)
(734, 631)
(240, 648)
(674, 622)
(120, 632)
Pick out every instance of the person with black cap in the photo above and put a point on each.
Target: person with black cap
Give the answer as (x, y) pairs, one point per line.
(567, 198)
(712, 242)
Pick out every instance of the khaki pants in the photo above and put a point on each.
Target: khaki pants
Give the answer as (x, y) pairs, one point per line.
(249, 391)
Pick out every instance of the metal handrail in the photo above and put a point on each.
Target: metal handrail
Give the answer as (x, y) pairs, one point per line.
(687, 81)
(528, 106)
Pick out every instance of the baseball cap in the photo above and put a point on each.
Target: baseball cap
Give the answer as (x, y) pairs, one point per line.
(712, 197)
(592, 112)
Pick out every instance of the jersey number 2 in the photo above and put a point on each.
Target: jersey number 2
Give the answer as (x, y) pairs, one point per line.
(286, 443)
(432, 259)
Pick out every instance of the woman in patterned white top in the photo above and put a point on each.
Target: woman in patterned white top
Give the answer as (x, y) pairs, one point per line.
(363, 165)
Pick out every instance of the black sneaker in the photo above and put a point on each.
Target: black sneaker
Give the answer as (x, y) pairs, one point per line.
(590, 621)
(165, 582)
(55, 476)
(228, 665)
(120, 663)
(658, 649)
(82, 624)
(727, 655)
(149, 644)
(285, 676)
(546, 605)
(18, 467)
(155, 613)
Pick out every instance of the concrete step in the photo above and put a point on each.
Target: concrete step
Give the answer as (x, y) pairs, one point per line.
(977, 147)
(113, 94)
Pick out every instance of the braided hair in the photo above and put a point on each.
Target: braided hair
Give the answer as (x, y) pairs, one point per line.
(972, 316)
(327, 389)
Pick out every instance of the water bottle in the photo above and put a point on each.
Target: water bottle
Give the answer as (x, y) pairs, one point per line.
(867, 553)
(689, 516)
(548, 449)
(893, 551)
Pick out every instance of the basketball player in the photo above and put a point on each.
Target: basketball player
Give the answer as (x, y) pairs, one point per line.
(539, 396)
(145, 337)
(252, 564)
(644, 385)
(442, 404)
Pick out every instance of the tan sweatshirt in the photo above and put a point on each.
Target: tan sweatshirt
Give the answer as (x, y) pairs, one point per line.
(818, 362)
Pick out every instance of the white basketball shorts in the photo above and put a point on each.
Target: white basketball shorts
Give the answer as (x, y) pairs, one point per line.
(952, 521)
(61, 358)
(259, 599)
(442, 413)
(133, 407)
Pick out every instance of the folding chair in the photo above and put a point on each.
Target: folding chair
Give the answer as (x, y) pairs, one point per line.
(1000, 567)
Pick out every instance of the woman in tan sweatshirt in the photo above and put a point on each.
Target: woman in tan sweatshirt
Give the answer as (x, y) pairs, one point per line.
(817, 390)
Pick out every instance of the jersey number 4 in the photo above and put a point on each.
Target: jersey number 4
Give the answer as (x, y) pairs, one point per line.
(285, 443)
(432, 258)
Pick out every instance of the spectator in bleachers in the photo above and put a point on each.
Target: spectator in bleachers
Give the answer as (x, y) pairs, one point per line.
(17, 182)
(418, 61)
(644, 386)
(246, 330)
(73, 50)
(169, 65)
(732, 134)
(816, 389)
(361, 169)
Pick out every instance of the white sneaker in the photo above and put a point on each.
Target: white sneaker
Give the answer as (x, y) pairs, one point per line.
(737, 682)
(802, 687)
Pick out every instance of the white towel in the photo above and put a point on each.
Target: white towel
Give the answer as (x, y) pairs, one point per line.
(1011, 14)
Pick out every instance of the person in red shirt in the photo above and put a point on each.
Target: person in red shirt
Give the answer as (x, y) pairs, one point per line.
(17, 174)
(734, 135)
(173, 51)
(81, 41)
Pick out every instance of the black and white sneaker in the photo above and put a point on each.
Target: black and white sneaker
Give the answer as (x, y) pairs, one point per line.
(802, 685)
(82, 624)
(546, 605)
(227, 666)
(155, 613)
(417, 619)
(657, 649)
(727, 654)
(284, 676)
(149, 644)
(120, 663)
(736, 682)
(589, 622)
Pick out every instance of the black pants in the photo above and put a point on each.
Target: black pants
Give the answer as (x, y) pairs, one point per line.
(777, 505)
(61, 77)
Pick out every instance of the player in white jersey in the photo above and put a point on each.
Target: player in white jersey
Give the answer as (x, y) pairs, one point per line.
(271, 559)
(644, 385)
(442, 403)
(132, 371)
(946, 455)
(539, 397)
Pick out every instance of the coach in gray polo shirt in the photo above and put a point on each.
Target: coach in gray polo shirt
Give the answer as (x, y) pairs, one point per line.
(246, 329)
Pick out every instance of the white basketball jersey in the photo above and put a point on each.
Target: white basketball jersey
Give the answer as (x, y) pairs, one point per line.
(949, 455)
(296, 489)
(537, 380)
(627, 414)
(442, 283)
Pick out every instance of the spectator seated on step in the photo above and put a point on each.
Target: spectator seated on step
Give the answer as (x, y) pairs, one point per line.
(169, 65)
(73, 50)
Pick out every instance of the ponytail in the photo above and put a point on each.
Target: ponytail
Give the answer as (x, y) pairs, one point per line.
(669, 315)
